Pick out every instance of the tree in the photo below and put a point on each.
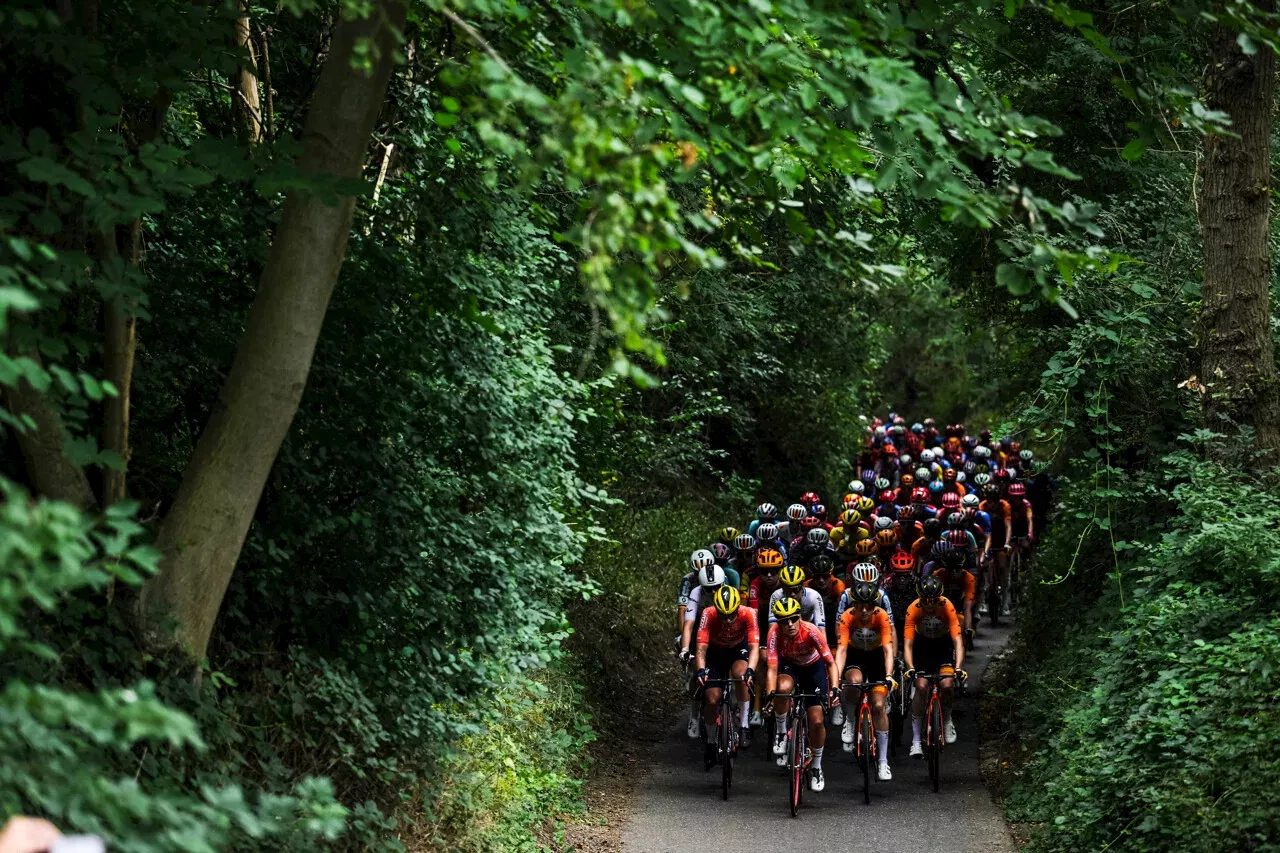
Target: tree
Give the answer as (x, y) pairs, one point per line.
(202, 535)
(1237, 362)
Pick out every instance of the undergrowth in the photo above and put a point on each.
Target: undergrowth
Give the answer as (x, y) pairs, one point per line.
(1143, 692)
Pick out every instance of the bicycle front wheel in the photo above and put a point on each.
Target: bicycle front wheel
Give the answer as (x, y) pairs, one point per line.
(726, 748)
(796, 760)
(866, 752)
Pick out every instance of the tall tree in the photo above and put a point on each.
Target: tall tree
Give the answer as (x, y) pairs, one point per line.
(1237, 361)
(202, 535)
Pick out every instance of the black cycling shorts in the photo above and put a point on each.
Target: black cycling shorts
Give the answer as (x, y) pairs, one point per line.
(720, 659)
(932, 655)
(869, 663)
(809, 679)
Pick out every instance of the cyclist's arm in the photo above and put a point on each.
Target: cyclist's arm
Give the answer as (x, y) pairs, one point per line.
(753, 641)
(704, 637)
(819, 610)
(957, 643)
(907, 644)
(686, 629)
(842, 652)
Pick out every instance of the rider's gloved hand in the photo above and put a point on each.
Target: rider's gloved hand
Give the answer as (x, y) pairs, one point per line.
(833, 699)
(910, 674)
(893, 685)
(749, 676)
(701, 677)
(685, 655)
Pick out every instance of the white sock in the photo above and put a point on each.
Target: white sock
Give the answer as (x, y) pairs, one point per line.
(780, 730)
(744, 716)
(916, 723)
(882, 745)
(817, 759)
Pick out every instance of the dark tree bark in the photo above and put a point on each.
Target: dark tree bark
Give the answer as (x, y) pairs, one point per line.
(202, 535)
(1237, 362)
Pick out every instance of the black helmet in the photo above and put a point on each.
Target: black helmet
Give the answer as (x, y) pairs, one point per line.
(929, 588)
(932, 527)
(865, 593)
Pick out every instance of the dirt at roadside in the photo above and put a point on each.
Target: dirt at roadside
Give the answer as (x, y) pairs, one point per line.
(1000, 752)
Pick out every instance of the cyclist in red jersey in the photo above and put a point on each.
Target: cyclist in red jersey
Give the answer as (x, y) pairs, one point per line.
(728, 646)
(800, 660)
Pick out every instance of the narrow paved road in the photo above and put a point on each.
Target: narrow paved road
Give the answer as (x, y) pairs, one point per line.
(678, 807)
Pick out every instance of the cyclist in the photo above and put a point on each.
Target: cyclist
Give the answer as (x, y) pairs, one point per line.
(765, 513)
(799, 661)
(768, 565)
(791, 528)
(932, 644)
(866, 572)
(898, 585)
(823, 581)
(864, 652)
(710, 579)
(728, 646)
(767, 537)
(727, 535)
(958, 584)
(744, 553)
(792, 585)
(930, 535)
(998, 511)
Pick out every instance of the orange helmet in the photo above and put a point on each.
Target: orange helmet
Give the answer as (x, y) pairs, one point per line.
(865, 547)
(907, 481)
(887, 537)
(901, 561)
(769, 558)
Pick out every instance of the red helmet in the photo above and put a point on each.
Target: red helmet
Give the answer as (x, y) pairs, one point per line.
(888, 496)
(906, 512)
(889, 448)
(1001, 475)
(810, 498)
(1017, 490)
(901, 561)
(919, 495)
(1015, 447)
(958, 538)
(951, 500)
(949, 475)
(810, 521)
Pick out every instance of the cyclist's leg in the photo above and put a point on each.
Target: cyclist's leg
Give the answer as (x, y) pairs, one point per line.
(739, 671)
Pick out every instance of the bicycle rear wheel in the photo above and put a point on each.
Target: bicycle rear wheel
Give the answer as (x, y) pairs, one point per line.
(866, 752)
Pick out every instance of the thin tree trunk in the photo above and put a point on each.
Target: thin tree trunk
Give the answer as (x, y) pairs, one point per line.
(247, 107)
(1237, 361)
(52, 474)
(264, 71)
(203, 534)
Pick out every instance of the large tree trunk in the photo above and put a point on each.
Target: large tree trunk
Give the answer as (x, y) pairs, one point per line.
(205, 529)
(1237, 362)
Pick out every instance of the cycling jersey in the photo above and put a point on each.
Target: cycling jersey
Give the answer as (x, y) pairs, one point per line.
(1018, 522)
(846, 601)
(811, 609)
(687, 583)
(870, 631)
(932, 621)
(840, 535)
(900, 589)
(807, 647)
(761, 591)
(718, 631)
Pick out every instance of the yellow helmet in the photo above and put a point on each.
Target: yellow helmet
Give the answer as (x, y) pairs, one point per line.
(865, 504)
(792, 576)
(769, 558)
(865, 547)
(727, 600)
(728, 534)
(850, 517)
(785, 608)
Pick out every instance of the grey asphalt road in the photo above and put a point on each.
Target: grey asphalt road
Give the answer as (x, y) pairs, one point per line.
(678, 807)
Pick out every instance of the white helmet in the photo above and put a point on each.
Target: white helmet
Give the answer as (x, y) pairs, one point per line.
(701, 559)
(711, 576)
(884, 522)
(767, 532)
(960, 477)
(866, 572)
(904, 460)
(857, 486)
(795, 512)
(926, 456)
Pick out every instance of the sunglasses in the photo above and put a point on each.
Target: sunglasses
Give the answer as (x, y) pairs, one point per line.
(789, 620)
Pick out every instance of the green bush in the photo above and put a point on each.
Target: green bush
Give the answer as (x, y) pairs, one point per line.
(1151, 714)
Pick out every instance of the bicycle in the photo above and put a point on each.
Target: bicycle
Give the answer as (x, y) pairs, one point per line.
(865, 743)
(934, 733)
(899, 707)
(727, 734)
(798, 754)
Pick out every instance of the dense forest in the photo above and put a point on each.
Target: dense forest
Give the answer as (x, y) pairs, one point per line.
(363, 361)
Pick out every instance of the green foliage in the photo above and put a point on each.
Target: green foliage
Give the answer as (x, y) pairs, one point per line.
(1149, 721)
